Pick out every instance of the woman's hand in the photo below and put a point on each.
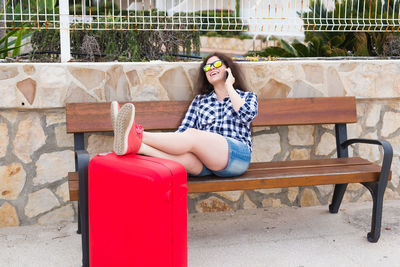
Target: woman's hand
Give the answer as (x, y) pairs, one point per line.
(230, 80)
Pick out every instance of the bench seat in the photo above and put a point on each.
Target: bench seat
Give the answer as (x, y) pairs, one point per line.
(263, 175)
(291, 173)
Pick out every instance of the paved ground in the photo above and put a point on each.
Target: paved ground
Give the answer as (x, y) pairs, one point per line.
(262, 237)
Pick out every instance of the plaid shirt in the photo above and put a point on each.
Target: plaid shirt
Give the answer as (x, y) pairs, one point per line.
(208, 114)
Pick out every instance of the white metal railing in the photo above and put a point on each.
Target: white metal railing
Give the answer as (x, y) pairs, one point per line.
(256, 17)
(269, 17)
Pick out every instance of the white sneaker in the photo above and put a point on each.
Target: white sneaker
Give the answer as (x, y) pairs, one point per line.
(114, 113)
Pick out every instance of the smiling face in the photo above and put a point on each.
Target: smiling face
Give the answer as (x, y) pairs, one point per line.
(215, 74)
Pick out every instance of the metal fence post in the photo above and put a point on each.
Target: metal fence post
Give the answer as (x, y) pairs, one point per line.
(64, 31)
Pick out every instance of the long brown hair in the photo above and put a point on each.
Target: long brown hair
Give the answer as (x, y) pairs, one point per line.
(204, 87)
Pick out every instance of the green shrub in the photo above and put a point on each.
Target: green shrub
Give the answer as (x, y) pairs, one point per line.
(119, 45)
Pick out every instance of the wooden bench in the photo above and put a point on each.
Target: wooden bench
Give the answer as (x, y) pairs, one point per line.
(167, 115)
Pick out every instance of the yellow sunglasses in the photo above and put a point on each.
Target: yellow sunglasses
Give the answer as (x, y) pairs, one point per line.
(216, 64)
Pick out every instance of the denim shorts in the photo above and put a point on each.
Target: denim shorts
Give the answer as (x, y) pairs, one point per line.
(238, 161)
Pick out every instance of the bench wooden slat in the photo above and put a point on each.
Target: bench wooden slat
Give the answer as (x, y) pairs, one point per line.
(279, 174)
(160, 115)
(301, 111)
(73, 183)
(95, 117)
(259, 179)
(337, 162)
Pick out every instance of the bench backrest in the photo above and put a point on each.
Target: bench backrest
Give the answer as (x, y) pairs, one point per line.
(167, 115)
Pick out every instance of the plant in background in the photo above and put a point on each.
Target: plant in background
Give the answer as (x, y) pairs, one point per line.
(118, 45)
(19, 30)
(333, 44)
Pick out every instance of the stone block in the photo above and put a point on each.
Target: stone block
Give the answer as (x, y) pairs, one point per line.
(327, 145)
(231, 195)
(348, 66)
(265, 147)
(248, 204)
(391, 195)
(63, 192)
(28, 88)
(77, 94)
(325, 190)
(303, 89)
(39, 202)
(390, 123)
(292, 193)
(147, 92)
(117, 86)
(354, 187)
(395, 142)
(373, 115)
(309, 198)
(29, 138)
(52, 167)
(177, 84)
(329, 126)
(272, 203)
(133, 78)
(10, 115)
(29, 69)
(88, 78)
(63, 214)
(314, 73)
(301, 135)
(99, 144)
(354, 130)
(12, 181)
(8, 72)
(300, 154)
(269, 191)
(274, 89)
(212, 204)
(334, 83)
(4, 139)
(8, 215)
(55, 118)
(395, 171)
(62, 138)
(369, 152)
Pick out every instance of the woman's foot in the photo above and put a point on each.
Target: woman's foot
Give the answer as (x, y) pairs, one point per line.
(128, 135)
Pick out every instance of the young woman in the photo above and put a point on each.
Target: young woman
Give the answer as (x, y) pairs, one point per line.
(214, 137)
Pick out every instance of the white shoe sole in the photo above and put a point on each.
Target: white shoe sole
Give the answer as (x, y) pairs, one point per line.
(124, 123)
(114, 113)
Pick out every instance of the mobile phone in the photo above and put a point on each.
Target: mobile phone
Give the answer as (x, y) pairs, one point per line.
(226, 75)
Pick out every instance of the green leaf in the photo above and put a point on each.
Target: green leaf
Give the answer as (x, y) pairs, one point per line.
(288, 48)
(5, 50)
(337, 40)
(301, 49)
(275, 51)
(17, 46)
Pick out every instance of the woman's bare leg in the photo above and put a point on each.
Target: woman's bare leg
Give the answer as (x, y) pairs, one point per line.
(191, 163)
(210, 148)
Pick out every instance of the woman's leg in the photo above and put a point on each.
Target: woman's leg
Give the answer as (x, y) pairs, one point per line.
(191, 163)
(210, 148)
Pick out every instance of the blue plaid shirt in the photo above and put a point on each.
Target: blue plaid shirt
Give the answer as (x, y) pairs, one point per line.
(208, 114)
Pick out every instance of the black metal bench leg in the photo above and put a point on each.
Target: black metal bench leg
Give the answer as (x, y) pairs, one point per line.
(79, 219)
(377, 197)
(337, 197)
(82, 161)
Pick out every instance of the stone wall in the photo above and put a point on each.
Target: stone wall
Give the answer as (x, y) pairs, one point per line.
(36, 153)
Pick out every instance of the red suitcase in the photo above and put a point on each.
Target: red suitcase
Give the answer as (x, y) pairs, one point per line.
(137, 211)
